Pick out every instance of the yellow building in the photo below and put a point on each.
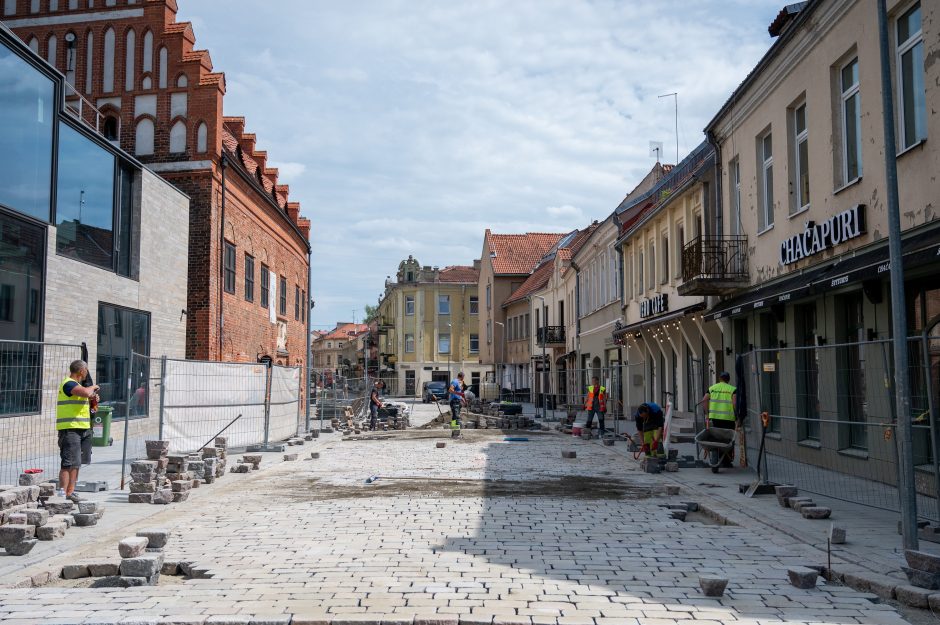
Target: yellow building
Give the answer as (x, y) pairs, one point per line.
(428, 326)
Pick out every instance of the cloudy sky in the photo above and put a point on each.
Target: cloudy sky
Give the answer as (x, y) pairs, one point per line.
(409, 126)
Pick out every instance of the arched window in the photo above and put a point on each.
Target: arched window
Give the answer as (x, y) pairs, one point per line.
(182, 81)
(51, 50)
(162, 68)
(111, 128)
(107, 79)
(89, 60)
(148, 52)
(143, 139)
(129, 60)
(73, 4)
(34, 45)
(178, 138)
(146, 83)
(202, 133)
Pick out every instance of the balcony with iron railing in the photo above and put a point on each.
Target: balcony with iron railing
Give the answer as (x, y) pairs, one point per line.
(714, 265)
(550, 335)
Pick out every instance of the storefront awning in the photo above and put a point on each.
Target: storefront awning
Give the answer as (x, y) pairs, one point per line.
(919, 250)
(619, 333)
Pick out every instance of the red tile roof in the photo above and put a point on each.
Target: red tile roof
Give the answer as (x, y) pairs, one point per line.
(459, 273)
(533, 283)
(515, 254)
(347, 331)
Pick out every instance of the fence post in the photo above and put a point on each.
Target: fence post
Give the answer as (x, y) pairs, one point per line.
(127, 420)
(933, 415)
(300, 398)
(267, 404)
(162, 395)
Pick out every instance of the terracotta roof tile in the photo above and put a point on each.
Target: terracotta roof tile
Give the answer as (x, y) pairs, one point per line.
(459, 273)
(515, 254)
(533, 283)
(347, 331)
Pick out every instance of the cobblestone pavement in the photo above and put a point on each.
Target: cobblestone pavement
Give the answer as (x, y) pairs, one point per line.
(490, 532)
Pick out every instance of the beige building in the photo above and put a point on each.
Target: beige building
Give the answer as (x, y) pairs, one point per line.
(428, 326)
(801, 149)
(334, 350)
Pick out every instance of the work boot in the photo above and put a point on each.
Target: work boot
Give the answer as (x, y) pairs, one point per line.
(75, 498)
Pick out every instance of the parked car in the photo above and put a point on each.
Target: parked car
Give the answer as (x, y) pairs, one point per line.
(434, 390)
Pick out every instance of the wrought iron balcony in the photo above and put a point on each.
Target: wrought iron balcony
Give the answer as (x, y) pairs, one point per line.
(550, 335)
(714, 265)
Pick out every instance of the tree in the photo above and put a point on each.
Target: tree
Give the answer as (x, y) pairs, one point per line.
(371, 313)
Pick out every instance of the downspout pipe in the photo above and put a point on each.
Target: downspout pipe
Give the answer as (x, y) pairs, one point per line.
(309, 305)
(224, 163)
(713, 141)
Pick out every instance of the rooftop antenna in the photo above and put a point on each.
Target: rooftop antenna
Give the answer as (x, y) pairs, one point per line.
(675, 97)
(656, 149)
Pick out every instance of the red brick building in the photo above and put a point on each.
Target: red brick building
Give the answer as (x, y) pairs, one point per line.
(138, 78)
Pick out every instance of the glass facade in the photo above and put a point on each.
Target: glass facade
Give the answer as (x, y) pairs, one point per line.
(123, 332)
(27, 100)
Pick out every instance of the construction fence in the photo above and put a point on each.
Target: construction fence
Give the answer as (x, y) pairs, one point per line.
(832, 419)
(185, 402)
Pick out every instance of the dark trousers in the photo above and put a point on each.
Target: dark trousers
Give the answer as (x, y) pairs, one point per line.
(725, 424)
(455, 411)
(593, 412)
(373, 415)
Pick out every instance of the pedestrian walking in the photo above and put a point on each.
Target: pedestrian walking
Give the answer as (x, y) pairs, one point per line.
(73, 424)
(596, 405)
(457, 399)
(375, 402)
(650, 420)
(720, 404)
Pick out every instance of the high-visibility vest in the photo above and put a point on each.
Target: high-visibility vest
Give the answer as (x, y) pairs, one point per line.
(71, 412)
(601, 399)
(719, 401)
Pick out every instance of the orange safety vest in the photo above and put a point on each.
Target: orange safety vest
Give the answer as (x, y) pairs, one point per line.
(601, 399)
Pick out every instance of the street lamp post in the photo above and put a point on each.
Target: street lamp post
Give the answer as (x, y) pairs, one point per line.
(544, 363)
(450, 342)
(499, 384)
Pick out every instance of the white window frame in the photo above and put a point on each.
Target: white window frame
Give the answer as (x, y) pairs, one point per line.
(409, 299)
(640, 274)
(488, 296)
(766, 208)
(734, 171)
(476, 338)
(846, 94)
(489, 331)
(652, 268)
(441, 300)
(680, 243)
(409, 338)
(441, 338)
(903, 47)
(800, 168)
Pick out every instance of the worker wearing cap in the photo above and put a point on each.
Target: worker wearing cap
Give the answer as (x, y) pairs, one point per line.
(720, 403)
(73, 425)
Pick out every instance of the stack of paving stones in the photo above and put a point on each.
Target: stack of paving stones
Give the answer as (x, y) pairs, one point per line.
(923, 569)
(142, 558)
(788, 497)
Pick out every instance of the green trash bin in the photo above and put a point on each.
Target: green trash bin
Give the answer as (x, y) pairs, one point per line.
(101, 427)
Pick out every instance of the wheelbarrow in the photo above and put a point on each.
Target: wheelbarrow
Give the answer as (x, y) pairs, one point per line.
(716, 442)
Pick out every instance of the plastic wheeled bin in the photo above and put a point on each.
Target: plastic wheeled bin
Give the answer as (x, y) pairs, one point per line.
(101, 427)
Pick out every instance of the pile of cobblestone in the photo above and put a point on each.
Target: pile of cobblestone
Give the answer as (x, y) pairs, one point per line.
(31, 512)
(164, 478)
(142, 562)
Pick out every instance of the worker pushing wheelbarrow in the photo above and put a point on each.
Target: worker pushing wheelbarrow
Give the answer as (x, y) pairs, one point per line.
(717, 439)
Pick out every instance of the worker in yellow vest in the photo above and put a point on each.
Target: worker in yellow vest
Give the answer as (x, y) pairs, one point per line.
(73, 424)
(720, 404)
(596, 405)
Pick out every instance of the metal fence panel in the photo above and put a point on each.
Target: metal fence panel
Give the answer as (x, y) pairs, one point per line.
(284, 420)
(201, 398)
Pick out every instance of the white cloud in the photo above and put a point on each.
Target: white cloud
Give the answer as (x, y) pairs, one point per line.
(288, 172)
(410, 126)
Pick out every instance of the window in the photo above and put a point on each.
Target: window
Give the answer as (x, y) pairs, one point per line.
(178, 138)
(489, 331)
(641, 286)
(123, 332)
(665, 253)
(107, 78)
(249, 278)
(680, 245)
(851, 123)
(734, 172)
(474, 305)
(329, 344)
(95, 205)
(528, 326)
(912, 102)
(26, 128)
(443, 343)
(443, 304)
(409, 343)
(652, 261)
(409, 305)
(474, 343)
(228, 269)
(143, 137)
(296, 303)
(487, 296)
(800, 156)
(265, 285)
(282, 296)
(765, 213)
(303, 305)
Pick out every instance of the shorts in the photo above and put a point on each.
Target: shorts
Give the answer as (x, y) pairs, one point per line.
(71, 445)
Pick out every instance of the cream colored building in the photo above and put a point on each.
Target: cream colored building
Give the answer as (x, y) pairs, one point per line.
(801, 147)
(428, 326)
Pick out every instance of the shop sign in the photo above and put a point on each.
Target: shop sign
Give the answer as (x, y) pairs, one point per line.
(817, 237)
(656, 305)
